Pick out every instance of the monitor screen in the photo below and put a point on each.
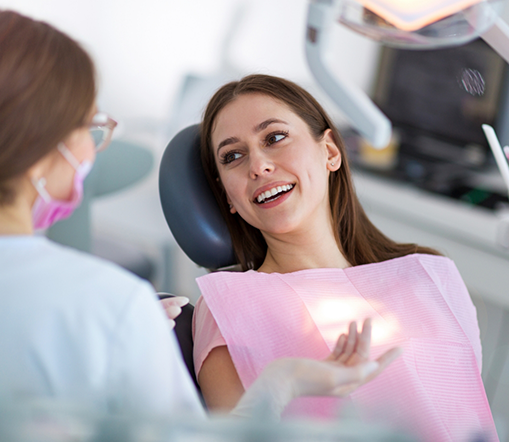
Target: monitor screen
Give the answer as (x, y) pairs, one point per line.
(446, 93)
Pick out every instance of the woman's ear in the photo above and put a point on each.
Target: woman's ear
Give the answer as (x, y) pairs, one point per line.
(333, 152)
(43, 166)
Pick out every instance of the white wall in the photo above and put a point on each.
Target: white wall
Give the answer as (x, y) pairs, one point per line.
(143, 48)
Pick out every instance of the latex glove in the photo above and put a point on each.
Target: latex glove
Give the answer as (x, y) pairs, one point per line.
(173, 307)
(286, 379)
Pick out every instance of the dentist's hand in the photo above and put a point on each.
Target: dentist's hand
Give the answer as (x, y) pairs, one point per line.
(345, 369)
(173, 307)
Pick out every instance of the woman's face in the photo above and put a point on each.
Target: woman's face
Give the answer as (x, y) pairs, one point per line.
(274, 172)
(59, 173)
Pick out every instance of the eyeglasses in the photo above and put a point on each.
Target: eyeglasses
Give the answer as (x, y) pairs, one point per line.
(101, 130)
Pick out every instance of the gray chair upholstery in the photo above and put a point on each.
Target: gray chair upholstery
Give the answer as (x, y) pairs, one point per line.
(189, 205)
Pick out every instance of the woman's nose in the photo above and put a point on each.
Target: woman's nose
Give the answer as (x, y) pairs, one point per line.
(259, 164)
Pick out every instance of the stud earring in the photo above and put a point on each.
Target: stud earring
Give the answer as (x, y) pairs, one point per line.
(332, 164)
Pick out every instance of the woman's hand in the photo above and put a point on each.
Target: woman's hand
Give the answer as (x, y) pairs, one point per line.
(173, 307)
(345, 369)
(353, 350)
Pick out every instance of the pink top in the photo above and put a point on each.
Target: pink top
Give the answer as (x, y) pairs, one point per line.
(206, 334)
(418, 302)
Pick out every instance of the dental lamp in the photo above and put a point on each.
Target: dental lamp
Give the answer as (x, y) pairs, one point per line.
(409, 24)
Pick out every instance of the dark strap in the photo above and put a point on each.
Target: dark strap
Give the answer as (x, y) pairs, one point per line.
(183, 330)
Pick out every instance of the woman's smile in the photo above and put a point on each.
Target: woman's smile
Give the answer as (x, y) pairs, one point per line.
(272, 192)
(274, 199)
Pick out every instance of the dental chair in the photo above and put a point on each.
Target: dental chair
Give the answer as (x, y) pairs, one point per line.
(189, 205)
(194, 219)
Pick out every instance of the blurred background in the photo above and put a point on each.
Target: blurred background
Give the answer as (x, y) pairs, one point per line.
(159, 61)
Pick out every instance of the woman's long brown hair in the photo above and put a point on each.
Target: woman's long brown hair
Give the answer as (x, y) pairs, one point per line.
(47, 89)
(359, 240)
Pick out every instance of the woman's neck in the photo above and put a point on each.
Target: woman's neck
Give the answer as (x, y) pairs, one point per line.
(299, 251)
(16, 218)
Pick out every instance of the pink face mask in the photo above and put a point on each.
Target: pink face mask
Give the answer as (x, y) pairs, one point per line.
(47, 210)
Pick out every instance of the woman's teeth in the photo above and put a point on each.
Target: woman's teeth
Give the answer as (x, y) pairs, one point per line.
(274, 193)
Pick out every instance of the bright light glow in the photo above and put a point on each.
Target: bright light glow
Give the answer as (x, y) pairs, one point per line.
(333, 316)
(410, 15)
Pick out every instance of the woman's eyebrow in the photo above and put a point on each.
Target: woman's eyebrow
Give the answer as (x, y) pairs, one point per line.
(227, 141)
(266, 123)
(258, 128)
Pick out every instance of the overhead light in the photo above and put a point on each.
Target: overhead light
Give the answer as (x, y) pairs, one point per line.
(418, 24)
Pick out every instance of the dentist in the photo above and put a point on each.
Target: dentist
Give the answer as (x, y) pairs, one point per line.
(71, 326)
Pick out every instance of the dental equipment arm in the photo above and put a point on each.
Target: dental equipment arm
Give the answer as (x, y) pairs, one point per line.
(355, 104)
(498, 38)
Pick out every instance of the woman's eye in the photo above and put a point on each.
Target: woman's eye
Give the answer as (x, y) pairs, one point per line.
(274, 138)
(229, 157)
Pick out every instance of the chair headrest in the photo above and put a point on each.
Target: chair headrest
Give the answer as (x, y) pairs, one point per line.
(189, 205)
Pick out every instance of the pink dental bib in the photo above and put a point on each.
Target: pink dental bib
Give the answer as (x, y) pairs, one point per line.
(419, 302)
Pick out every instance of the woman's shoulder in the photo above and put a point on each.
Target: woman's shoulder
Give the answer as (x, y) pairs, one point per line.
(79, 261)
(422, 258)
(83, 273)
(58, 280)
(411, 269)
(405, 264)
(430, 262)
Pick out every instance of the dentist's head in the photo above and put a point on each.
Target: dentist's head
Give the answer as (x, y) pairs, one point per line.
(47, 108)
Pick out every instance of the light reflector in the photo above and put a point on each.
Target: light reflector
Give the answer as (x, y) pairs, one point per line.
(419, 24)
(410, 15)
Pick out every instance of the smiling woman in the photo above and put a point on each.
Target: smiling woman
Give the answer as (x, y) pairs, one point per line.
(275, 113)
(278, 169)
